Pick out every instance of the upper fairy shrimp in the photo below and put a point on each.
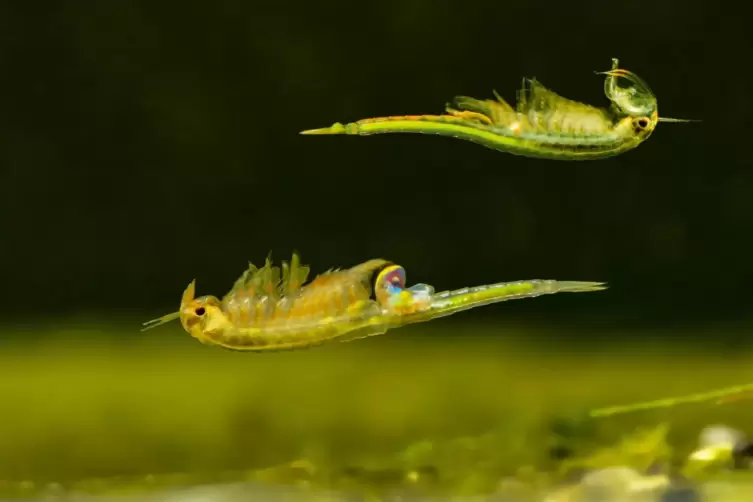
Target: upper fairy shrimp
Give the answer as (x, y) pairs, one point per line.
(543, 125)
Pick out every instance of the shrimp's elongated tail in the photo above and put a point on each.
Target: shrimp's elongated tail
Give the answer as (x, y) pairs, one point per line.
(450, 302)
(461, 111)
(469, 125)
(336, 128)
(452, 124)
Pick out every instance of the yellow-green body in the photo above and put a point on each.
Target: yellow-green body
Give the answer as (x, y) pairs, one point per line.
(267, 310)
(543, 124)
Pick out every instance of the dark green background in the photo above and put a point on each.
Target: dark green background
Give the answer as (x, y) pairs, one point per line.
(143, 144)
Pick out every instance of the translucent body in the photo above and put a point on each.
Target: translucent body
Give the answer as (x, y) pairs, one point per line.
(542, 125)
(269, 311)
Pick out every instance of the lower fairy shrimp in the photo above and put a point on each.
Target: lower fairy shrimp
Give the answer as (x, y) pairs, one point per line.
(272, 307)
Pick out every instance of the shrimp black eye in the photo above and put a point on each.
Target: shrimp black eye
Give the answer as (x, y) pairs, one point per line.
(640, 124)
(200, 311)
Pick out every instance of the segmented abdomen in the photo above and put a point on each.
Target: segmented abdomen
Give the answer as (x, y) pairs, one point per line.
(337, 296)
(547, 111)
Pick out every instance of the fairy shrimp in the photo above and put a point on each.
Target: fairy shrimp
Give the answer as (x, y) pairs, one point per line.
(273, 308)
(542, 125)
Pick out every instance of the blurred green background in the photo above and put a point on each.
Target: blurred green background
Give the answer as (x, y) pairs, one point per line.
(104, 402)
(144, 144)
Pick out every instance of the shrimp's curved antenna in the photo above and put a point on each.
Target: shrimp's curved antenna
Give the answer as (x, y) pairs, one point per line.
(637, 99)
(160, 321)
(188, 296)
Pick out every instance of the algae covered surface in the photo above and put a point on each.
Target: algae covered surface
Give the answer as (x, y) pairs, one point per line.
(479, 413)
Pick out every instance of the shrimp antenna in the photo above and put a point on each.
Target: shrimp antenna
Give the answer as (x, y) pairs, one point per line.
(667, 119)
(188, 296)
(160, 321)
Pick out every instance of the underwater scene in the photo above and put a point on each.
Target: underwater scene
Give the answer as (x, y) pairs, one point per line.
(400, 251)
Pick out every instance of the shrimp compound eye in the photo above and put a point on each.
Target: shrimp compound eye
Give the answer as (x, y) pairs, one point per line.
(200, 311)
(640, 124)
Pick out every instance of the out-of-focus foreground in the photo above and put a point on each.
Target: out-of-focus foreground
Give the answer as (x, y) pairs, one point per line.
(411, 413)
